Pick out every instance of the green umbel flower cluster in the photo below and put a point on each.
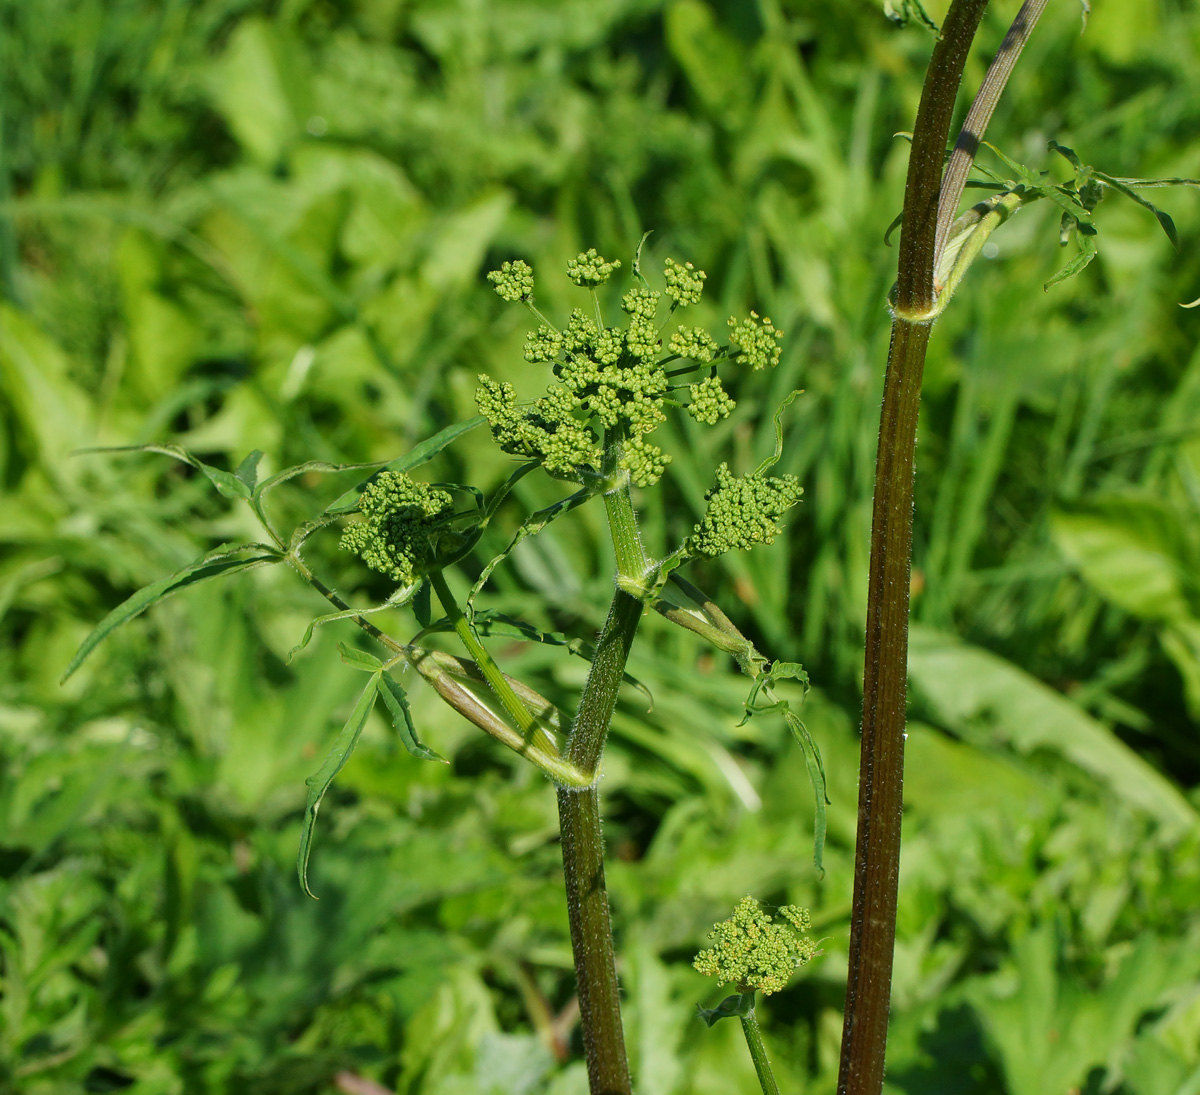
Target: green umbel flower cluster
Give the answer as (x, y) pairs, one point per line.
(610, 381)
(684, 283)
(513, 281)
(753, 952)
(589, 269)
(743, 511)
(709, 401)
(758, 346)
(403, 522)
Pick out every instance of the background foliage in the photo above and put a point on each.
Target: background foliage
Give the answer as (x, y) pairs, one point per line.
(245, 225)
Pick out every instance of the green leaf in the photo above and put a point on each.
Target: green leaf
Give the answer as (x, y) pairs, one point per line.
(395, 699)
(1066, 153)
(1165, 222)
(816, 777)
(980, 696)
(531, 527)
(216, 564)
(422, 605)
(247, 470)
(302, 469)
(1134, 550)
(731, 1007)
(1034, 179)
(1087, 252)
(227, 483)
(318, 783)
(902, 12)
(359, 659)
(490, 622)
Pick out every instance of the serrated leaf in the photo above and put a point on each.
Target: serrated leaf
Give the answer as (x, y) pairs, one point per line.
(395, 699)
(732, 1007)
(214, 565)
(335, 761)
(359, 659)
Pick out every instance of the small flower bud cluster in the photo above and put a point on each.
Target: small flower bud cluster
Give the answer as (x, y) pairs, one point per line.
(710, 401)
(753, 952)
(403, 522)
(547, 431)
(513, 281)
(684, 283)
(743, 511)
(694, 343)
(759, 346)
(590, 270)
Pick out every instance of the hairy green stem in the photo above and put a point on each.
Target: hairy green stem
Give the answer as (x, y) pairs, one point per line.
(758, 1053)
(579, 821)
(877, 852)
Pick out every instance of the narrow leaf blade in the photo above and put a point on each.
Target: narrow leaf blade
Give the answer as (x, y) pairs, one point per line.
(395, 699)
(335, 761)
(215, 565)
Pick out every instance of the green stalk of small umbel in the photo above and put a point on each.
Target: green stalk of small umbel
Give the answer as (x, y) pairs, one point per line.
(929, 207)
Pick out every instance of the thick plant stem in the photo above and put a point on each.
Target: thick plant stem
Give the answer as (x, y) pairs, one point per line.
(583, 859)
(877, 852)
(758, 1054)
(591, 942)
(579, 821)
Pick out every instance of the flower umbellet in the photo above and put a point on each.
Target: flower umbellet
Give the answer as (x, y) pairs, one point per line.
(406, 527)
(756, 953)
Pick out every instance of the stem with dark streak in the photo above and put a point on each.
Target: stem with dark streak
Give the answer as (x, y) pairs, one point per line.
(877, 853)
(579, 813)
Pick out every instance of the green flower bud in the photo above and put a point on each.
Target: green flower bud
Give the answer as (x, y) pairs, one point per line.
(710, 401)
(403, 522)
(743, 511)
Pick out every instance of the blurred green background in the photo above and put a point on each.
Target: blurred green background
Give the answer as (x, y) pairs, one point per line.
(242, 225)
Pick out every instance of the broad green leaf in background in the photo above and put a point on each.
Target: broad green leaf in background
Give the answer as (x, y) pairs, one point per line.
(977, 694)
(1142, 555)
